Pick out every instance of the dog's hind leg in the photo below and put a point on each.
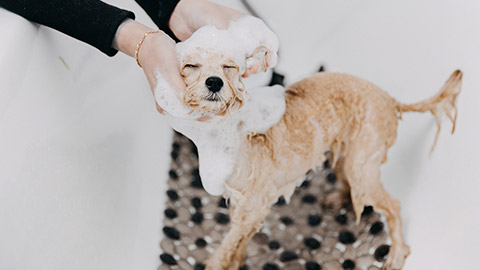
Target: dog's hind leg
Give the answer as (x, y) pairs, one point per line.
(362, 168)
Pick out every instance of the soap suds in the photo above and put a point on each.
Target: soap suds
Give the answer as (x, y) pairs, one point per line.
(239, 41)
(219, 138)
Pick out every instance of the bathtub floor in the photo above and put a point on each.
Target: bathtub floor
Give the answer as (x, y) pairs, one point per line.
(295, 235)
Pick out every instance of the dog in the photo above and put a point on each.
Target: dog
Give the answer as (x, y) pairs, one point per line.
(353, 119)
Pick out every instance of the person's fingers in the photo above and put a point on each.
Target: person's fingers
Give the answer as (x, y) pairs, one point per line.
(174, 78)
(190, 15)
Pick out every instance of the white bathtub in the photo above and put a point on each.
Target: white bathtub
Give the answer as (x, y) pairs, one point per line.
(84, 154)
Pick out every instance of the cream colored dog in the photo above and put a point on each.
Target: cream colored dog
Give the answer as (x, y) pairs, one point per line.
(352, 118)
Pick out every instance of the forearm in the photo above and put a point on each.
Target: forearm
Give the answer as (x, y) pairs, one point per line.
(91, 21)
(129, 33)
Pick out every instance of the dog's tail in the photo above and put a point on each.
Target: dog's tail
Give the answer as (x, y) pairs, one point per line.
(443, 103)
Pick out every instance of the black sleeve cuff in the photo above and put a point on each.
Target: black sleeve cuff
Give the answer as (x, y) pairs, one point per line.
(160, 12)
(105, 45)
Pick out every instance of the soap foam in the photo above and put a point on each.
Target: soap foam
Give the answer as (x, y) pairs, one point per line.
(239, 41)
(218, 139)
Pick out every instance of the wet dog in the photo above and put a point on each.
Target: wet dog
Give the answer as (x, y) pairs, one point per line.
(353, 119)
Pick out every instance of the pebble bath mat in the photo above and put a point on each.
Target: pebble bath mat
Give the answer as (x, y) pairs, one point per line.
(300, 235)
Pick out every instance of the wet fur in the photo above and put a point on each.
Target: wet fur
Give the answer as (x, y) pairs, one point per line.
(353, 119)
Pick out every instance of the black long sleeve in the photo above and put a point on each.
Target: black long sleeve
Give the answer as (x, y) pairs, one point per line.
(91, 21)
(160, 12)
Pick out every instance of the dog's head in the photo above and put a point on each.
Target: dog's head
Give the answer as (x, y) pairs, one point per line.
(213, 81)
(212, 62)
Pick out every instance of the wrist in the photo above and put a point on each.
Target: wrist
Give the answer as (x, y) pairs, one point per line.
(129, 33)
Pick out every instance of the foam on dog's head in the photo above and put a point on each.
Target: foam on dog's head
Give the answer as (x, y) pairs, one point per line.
(239, 41)
(210, 38)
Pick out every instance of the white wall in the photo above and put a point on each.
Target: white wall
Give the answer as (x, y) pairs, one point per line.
(83, 153)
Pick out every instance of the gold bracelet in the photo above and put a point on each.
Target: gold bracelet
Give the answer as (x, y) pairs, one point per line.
(141, 42)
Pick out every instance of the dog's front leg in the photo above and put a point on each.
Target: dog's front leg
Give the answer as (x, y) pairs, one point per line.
(246, 219)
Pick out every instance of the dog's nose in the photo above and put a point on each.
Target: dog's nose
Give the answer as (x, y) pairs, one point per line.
(214, 84)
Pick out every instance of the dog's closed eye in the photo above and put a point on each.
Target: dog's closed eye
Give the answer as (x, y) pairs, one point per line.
(191, 66)
(229, 66)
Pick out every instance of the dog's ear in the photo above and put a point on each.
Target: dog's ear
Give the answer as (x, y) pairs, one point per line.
(257, 61)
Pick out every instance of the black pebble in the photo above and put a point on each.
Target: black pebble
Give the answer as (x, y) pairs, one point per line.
(196, 202)
(273, 245)
(173, 174)
(172, 195)
(288, 255)
(171, 233)
(312, 266)
(170, 213)
(341, 219)
(194, 150)
(326, 164)
(222, 218)
(346, 237)
(243, 267)
(277, 78)
(270, 266)
(348, 265)
(309, 198)
(376, 228)
(222, 203)
(196, 183)
(381, 252)
(286, 220)
(174, 154)
(314, 220)
(305, 184)
(281, 201)
(200, 242)
(197, 218)
(331, 178)
(311, 243)
(260, 238)
(175, 146)
(367, 211)
(199, 266)
(168, 259)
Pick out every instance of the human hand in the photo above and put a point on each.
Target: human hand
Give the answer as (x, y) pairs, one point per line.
(157, 54)
(190, 15)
